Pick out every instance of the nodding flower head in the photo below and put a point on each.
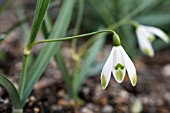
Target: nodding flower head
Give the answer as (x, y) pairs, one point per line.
(118, 63)
(145, 36)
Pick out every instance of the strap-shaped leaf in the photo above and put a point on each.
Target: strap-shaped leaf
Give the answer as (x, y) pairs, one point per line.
(12, 91)
(103, 11)
(49, 50)
(161, 19)
(46, 28)
(64, 71)
(41, 8)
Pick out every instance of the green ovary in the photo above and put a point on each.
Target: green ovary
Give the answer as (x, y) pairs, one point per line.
(103, 81)
(119, 75)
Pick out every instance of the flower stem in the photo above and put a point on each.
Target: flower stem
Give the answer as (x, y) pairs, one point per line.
(23, 76)
(29, 47)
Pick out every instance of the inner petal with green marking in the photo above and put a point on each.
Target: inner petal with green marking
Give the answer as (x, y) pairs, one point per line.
(119, 75)
(119, 71)
(119, 66)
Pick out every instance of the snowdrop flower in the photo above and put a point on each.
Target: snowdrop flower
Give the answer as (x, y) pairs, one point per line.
(118, 63)
(145, 35)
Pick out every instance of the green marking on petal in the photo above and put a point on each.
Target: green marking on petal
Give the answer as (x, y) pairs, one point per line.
(134, 80)
(147, 52)
(151, 38)
(119, 75)
(119, 66)
(103, 81)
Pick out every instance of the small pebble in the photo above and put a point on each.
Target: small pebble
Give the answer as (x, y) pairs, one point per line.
(107, 109)
(6, 101)
(36, 110)
(86, 110)
(62, 102)
(56, 108)
(103, 100)
(137, 106)
(166, 70)
(32, 98)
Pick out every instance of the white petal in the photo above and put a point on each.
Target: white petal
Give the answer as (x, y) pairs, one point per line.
(144, 43)
(158, 32)
(118, 70)
(129, 67)
(106, 71)
(146, 34)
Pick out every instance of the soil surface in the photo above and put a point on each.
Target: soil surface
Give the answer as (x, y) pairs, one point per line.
(150, 95)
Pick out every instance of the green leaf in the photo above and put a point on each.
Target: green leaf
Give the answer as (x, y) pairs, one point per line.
(49, 50)
(97, 67)
(103, 11)
(89, 59)
(64, 71)
(157, 19)
(12, 91)
(46, 28)
(129, 39)
(41, 8)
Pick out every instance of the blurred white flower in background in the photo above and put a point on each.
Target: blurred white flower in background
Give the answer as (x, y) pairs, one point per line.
(145, 36)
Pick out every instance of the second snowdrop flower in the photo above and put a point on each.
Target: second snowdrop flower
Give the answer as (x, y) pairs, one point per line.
(118, 63)
(145, 35)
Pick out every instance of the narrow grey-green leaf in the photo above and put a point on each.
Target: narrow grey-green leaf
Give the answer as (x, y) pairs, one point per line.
(157, 19)
(46, 28)
(49, 50)
(41, 8)
(96, 67)
(103, 11)
(12, 91)
(64, 71)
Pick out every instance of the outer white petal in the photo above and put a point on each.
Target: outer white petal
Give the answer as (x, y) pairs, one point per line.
(106, 71)
(130, 67)
(144, 43)
(118, 60)
(146, 33)
(158, 32)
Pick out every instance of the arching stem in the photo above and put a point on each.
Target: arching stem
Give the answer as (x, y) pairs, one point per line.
(29, 47)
